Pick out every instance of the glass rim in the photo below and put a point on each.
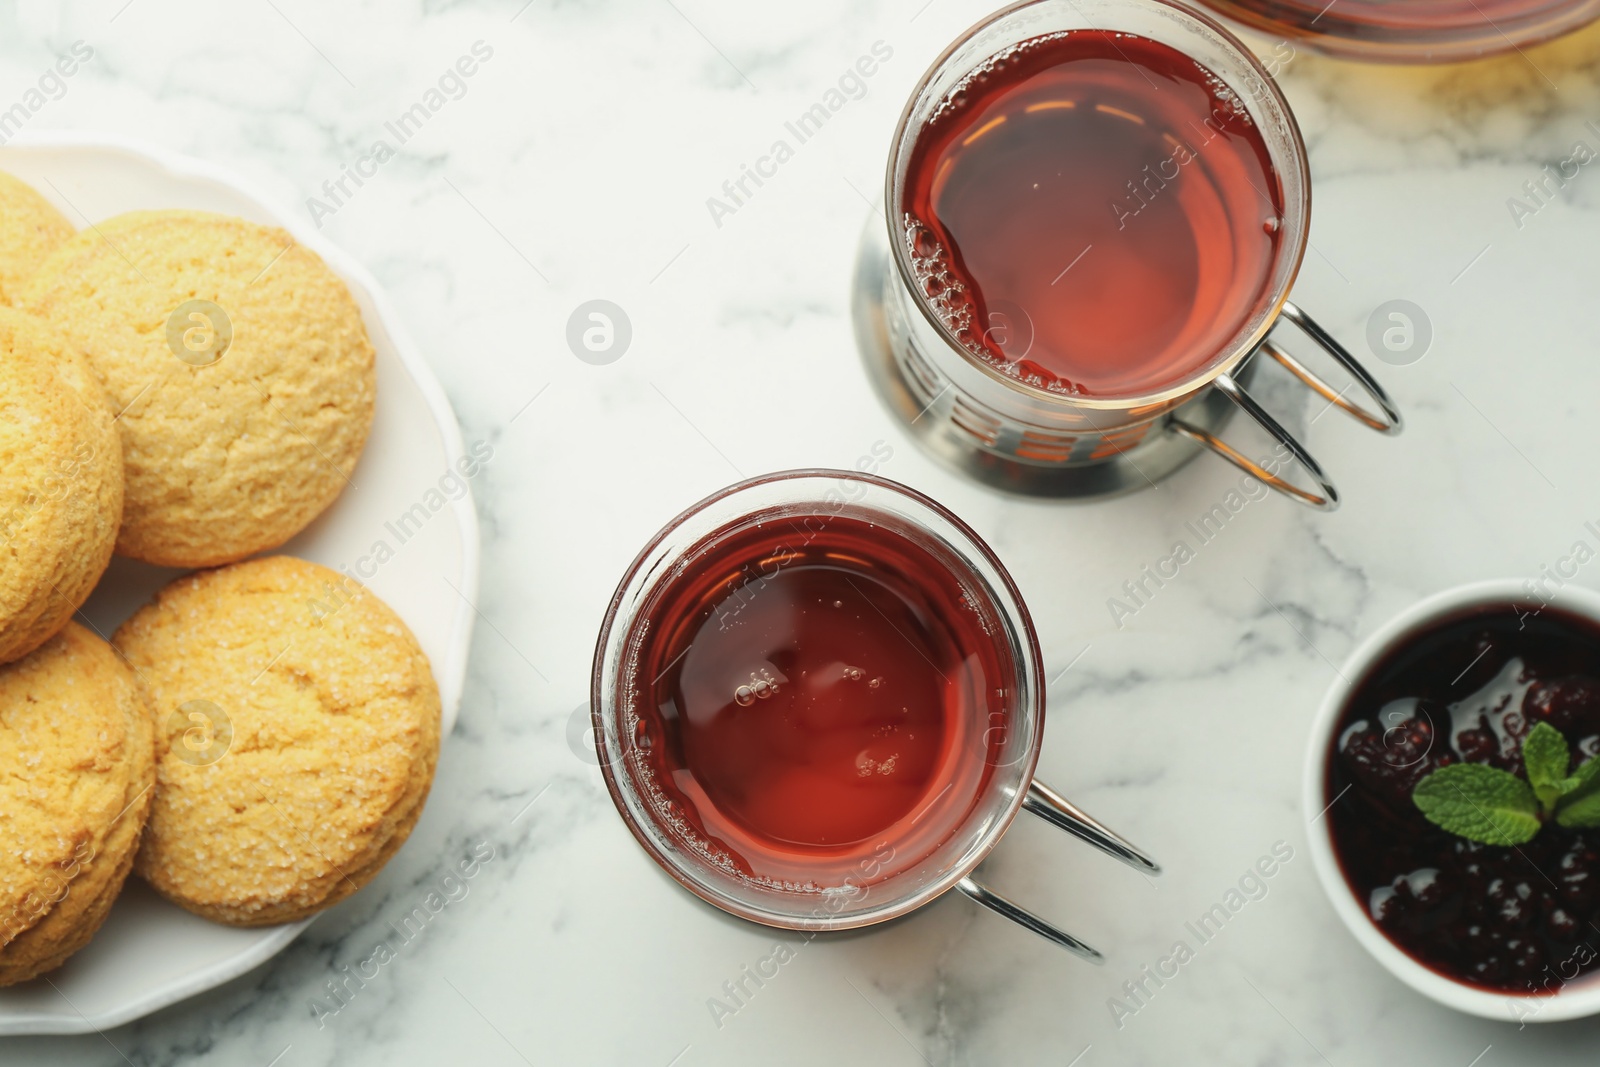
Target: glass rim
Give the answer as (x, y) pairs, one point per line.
(1010, 782)
(1212, 367)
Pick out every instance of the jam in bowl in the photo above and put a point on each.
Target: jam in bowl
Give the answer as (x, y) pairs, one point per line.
(1453, 788)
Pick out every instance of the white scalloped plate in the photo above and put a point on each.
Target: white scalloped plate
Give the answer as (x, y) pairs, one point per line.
(150, 953)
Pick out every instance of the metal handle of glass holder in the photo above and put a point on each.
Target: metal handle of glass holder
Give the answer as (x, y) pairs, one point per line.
(1387, 420)
(1061, 813)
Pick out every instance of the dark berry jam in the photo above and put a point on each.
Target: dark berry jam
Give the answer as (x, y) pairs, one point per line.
(1523, 919)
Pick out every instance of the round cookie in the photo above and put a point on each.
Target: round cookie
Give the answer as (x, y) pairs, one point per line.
(297, 726)
(30, 229)
(77, 767)
(60, 484)
(240, 367)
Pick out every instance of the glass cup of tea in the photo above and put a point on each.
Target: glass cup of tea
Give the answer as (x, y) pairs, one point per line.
(818, 703)
(1095, 209)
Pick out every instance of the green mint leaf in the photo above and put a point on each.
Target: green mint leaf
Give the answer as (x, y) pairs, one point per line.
(1580, 807)
(1545, 755)
(1585, 779)
(1480, 803)
(1580, 812)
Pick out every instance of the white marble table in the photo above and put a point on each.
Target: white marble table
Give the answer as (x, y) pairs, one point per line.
(576, 165)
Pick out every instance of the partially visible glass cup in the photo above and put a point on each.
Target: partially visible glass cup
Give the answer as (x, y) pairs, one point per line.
(1411, 31)
(1023, 438)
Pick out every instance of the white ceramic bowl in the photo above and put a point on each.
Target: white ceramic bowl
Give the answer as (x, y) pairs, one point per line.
(1575, 999)
(150, 953)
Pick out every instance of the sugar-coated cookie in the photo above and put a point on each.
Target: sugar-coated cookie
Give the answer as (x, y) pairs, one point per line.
(77, 770)
(60, 483)
(297, 734)
(30, 229)
(240, 367)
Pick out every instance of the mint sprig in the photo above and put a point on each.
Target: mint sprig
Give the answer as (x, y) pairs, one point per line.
(1495, 807)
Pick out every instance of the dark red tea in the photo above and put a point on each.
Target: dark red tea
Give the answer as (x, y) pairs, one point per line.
(1094, 213)
(820, 697)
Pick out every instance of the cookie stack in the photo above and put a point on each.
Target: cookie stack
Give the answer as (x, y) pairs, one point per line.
(189, 390)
